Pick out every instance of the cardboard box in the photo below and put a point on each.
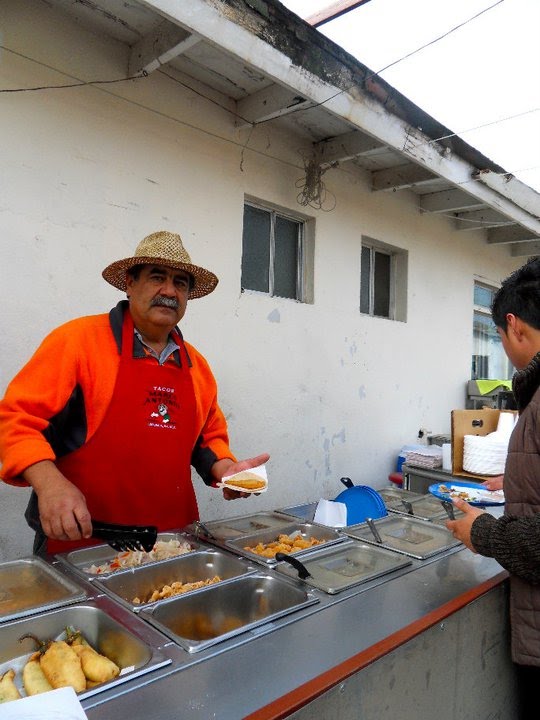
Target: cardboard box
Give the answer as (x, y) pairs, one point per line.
(470, 422)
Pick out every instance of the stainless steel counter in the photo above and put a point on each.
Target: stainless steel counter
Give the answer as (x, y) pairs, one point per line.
(242, 675)
(282, 667)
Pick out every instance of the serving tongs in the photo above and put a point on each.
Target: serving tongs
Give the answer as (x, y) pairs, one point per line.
(303, 572)
(408, 507)
(125, 537)
(374, 531)
(449, 508)
(200, 527)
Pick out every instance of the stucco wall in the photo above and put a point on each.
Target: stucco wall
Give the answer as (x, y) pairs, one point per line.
(88, 172)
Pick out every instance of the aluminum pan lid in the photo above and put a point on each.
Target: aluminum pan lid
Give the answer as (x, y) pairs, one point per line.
(31, 585)
(343, 566)
(417, 538)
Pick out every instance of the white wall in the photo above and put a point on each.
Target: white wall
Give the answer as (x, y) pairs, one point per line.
(88, 172)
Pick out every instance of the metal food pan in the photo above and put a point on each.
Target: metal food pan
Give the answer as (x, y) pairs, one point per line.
(339, 567)
(306, 512)
(80, 560)
(106, 634)
(420, 539)
(141, 582)
(31, 585)
(425, 507)
(393, 495)
(306, 530)
(197, 621)
(231, 528)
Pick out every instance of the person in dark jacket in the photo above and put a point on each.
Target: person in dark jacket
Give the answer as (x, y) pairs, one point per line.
(514, 539)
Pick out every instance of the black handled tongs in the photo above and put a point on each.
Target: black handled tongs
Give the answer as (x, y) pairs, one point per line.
(125, 537)
(302, 570)
(449, 509)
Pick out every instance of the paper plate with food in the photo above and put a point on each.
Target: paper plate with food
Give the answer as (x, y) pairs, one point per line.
(253, 480)
(471, 492)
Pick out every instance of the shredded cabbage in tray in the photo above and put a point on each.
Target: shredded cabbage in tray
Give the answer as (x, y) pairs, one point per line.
(162, 550)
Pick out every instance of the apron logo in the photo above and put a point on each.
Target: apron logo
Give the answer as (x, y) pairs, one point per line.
(163, 411)
(163, 405)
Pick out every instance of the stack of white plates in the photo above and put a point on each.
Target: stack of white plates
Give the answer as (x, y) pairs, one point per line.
(485, 455)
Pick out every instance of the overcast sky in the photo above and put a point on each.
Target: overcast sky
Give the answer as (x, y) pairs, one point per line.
(479, 75)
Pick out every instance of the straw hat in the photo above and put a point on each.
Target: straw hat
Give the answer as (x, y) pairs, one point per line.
(162, 248)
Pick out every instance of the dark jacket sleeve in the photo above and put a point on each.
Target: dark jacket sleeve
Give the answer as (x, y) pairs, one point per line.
(513, 542)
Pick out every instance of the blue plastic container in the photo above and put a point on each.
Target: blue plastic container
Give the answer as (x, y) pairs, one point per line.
(362, 502)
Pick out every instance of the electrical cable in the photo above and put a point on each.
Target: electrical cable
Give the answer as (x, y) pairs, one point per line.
(79, 83)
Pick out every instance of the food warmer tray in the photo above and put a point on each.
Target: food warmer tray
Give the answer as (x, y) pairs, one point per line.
(425, 507)
(111, 630)
(393, 495)
(196, 621)
(337, 568)
(80, 560)
(306, 512)
(404, 534)
(307, 531)
(140, 582)
(231, 528)
(30, 585)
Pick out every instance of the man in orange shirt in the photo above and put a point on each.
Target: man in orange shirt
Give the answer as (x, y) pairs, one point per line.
(108, 416)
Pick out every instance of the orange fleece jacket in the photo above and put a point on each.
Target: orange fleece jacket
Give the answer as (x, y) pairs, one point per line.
(83, 354)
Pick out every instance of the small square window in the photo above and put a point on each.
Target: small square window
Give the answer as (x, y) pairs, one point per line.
(272, 252)
(383, 280)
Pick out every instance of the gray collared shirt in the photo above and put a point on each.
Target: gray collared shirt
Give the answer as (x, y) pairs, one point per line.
(165, 353)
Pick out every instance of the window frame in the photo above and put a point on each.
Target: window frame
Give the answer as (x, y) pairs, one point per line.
(397, 289)
(302, 251)
(485, 311)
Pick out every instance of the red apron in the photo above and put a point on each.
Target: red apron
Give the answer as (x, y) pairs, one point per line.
(136, 468)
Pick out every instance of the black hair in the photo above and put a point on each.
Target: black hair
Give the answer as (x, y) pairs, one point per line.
(519, 294)
(135, 270)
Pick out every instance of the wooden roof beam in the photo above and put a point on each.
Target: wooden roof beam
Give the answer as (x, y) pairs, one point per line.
(401, 177)
(345, 147)
(449, 201)
(510, 234)
(269, 103)
(481, 220)
(160, 47)
(333, 11)
(525, 249)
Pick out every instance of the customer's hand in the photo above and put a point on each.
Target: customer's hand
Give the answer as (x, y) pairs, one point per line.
(461, 529)
(494, 483)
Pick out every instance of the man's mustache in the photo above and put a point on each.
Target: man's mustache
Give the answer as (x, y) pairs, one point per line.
(160, 300)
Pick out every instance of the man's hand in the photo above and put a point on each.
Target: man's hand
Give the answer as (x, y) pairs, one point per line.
(494, 483)
(229, 467)
(461, 529)
(62, 506)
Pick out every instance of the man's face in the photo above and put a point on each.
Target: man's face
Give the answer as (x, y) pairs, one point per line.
(158, 298)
